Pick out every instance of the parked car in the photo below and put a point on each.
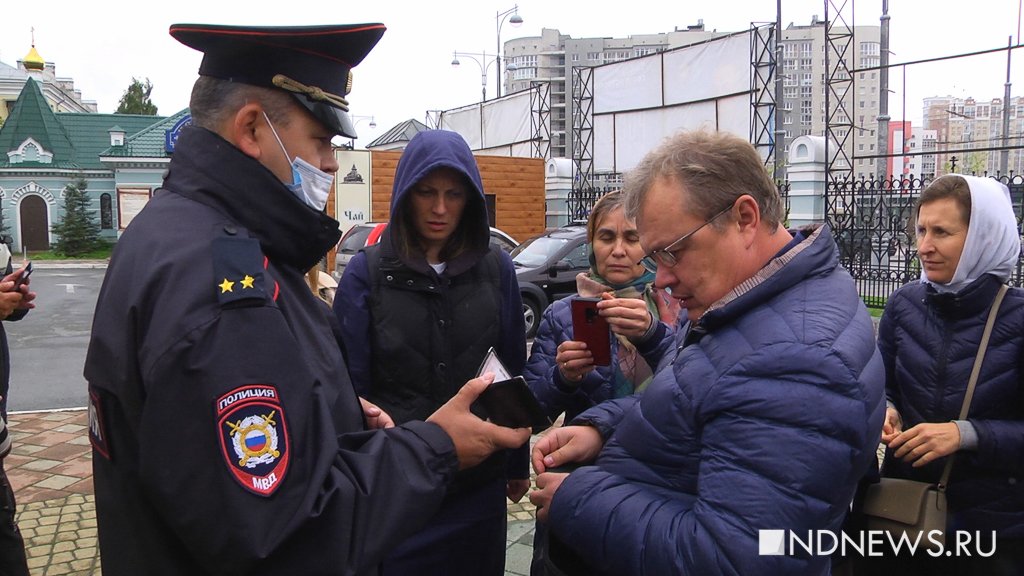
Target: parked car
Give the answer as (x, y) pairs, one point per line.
(368, 234)
(357, 237)
(546, 267)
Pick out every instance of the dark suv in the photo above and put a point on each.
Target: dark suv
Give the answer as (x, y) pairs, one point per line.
(546, 267)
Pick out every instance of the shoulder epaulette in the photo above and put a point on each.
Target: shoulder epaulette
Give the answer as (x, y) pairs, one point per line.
(238, 270)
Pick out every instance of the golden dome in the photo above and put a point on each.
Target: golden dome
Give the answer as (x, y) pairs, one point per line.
(33, 61)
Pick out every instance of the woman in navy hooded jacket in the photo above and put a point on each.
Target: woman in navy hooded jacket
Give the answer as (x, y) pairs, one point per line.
(561, 371)
(418, 313)
(968, 244)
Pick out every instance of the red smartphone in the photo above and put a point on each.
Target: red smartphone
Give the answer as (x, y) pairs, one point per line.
(591, 328)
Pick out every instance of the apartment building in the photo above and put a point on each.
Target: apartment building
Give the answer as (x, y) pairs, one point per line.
(971, 131)
(552, 56)
(918, 146)
(804, 76)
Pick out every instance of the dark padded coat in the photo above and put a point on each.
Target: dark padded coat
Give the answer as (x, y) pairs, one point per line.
(227, 438)
(929, 341)
(767, 418)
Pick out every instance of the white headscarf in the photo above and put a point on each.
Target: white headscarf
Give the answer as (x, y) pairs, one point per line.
(992, 245)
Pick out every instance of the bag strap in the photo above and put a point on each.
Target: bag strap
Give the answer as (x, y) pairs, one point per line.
(992, 314)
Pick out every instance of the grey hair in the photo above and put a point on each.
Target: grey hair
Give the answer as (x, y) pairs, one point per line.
(714, 168)
(214, 100)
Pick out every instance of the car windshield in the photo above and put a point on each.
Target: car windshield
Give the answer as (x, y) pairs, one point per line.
(537, 251)
(356, 240)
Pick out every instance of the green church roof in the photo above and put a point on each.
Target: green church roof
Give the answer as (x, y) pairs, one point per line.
(148, 142)
(75, 139)
(91, 132)
(32, 118)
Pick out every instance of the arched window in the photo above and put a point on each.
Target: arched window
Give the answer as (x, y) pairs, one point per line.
(106, 213)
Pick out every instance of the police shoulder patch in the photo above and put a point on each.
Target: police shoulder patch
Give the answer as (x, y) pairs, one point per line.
(238, 274)
(98, 436)
(254, 437)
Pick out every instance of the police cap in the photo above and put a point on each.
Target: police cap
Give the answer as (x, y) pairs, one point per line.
(313, 63)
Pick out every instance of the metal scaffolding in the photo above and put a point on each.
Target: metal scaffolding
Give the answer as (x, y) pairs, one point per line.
(762, 89)
(839, 88)
(540, 119)
(582, 138)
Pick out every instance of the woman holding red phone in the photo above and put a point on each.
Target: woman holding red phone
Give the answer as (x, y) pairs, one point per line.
(561, 370)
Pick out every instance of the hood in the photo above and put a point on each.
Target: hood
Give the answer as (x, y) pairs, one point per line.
(427, 151)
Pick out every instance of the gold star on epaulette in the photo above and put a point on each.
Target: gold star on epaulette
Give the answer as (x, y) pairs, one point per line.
(226, 286)
(247, 281)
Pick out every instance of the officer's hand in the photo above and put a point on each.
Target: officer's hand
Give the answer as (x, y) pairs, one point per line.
(375, 417)
(475, 439)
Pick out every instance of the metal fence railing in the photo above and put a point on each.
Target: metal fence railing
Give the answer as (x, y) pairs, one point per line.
(870, 219)
(871, 222)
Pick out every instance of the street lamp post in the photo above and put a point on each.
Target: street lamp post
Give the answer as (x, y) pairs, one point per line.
(499, 19)
(482, 62)
(356, 119)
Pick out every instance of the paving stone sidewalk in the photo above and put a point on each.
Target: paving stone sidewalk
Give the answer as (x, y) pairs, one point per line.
(50, 468)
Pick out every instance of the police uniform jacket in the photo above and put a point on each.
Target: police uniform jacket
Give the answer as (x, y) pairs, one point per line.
(227, 436)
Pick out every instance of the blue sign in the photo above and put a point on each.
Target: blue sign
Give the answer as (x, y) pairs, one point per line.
(171, 136)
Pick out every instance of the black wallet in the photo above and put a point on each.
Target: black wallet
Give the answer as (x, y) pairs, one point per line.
(511, 403)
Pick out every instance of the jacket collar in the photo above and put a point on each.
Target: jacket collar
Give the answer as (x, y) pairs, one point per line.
(208, 169)
(816, 254)
(417, 260)
(974, 299)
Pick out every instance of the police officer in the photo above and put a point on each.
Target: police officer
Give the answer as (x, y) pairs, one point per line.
(227, 438)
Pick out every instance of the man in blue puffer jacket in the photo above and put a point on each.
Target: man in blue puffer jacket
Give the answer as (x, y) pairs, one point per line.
(770, 412)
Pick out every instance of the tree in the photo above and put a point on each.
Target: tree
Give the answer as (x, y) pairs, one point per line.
(135, 99)
(78, 232)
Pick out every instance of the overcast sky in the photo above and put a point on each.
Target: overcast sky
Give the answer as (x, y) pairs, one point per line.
(102, 45)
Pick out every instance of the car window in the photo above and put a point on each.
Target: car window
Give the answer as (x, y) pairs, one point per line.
(537, 251)
(354, 241)
(502, 243)
(579, 257)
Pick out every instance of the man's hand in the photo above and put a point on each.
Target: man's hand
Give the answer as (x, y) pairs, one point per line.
(474, 438)
(376, 419)
(926, 442)
(516, 488)
(626, 316)
(566, 445)
(547, 485)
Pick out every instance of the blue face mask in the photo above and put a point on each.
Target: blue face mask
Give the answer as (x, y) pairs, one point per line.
(309, 183)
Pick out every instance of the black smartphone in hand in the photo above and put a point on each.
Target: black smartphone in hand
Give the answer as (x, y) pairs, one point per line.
(23, 277)
(589, 327)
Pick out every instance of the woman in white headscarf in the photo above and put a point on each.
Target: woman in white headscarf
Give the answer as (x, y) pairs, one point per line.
(968, 244)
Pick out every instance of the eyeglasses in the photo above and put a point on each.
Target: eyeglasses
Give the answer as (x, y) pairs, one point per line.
(666, 256)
